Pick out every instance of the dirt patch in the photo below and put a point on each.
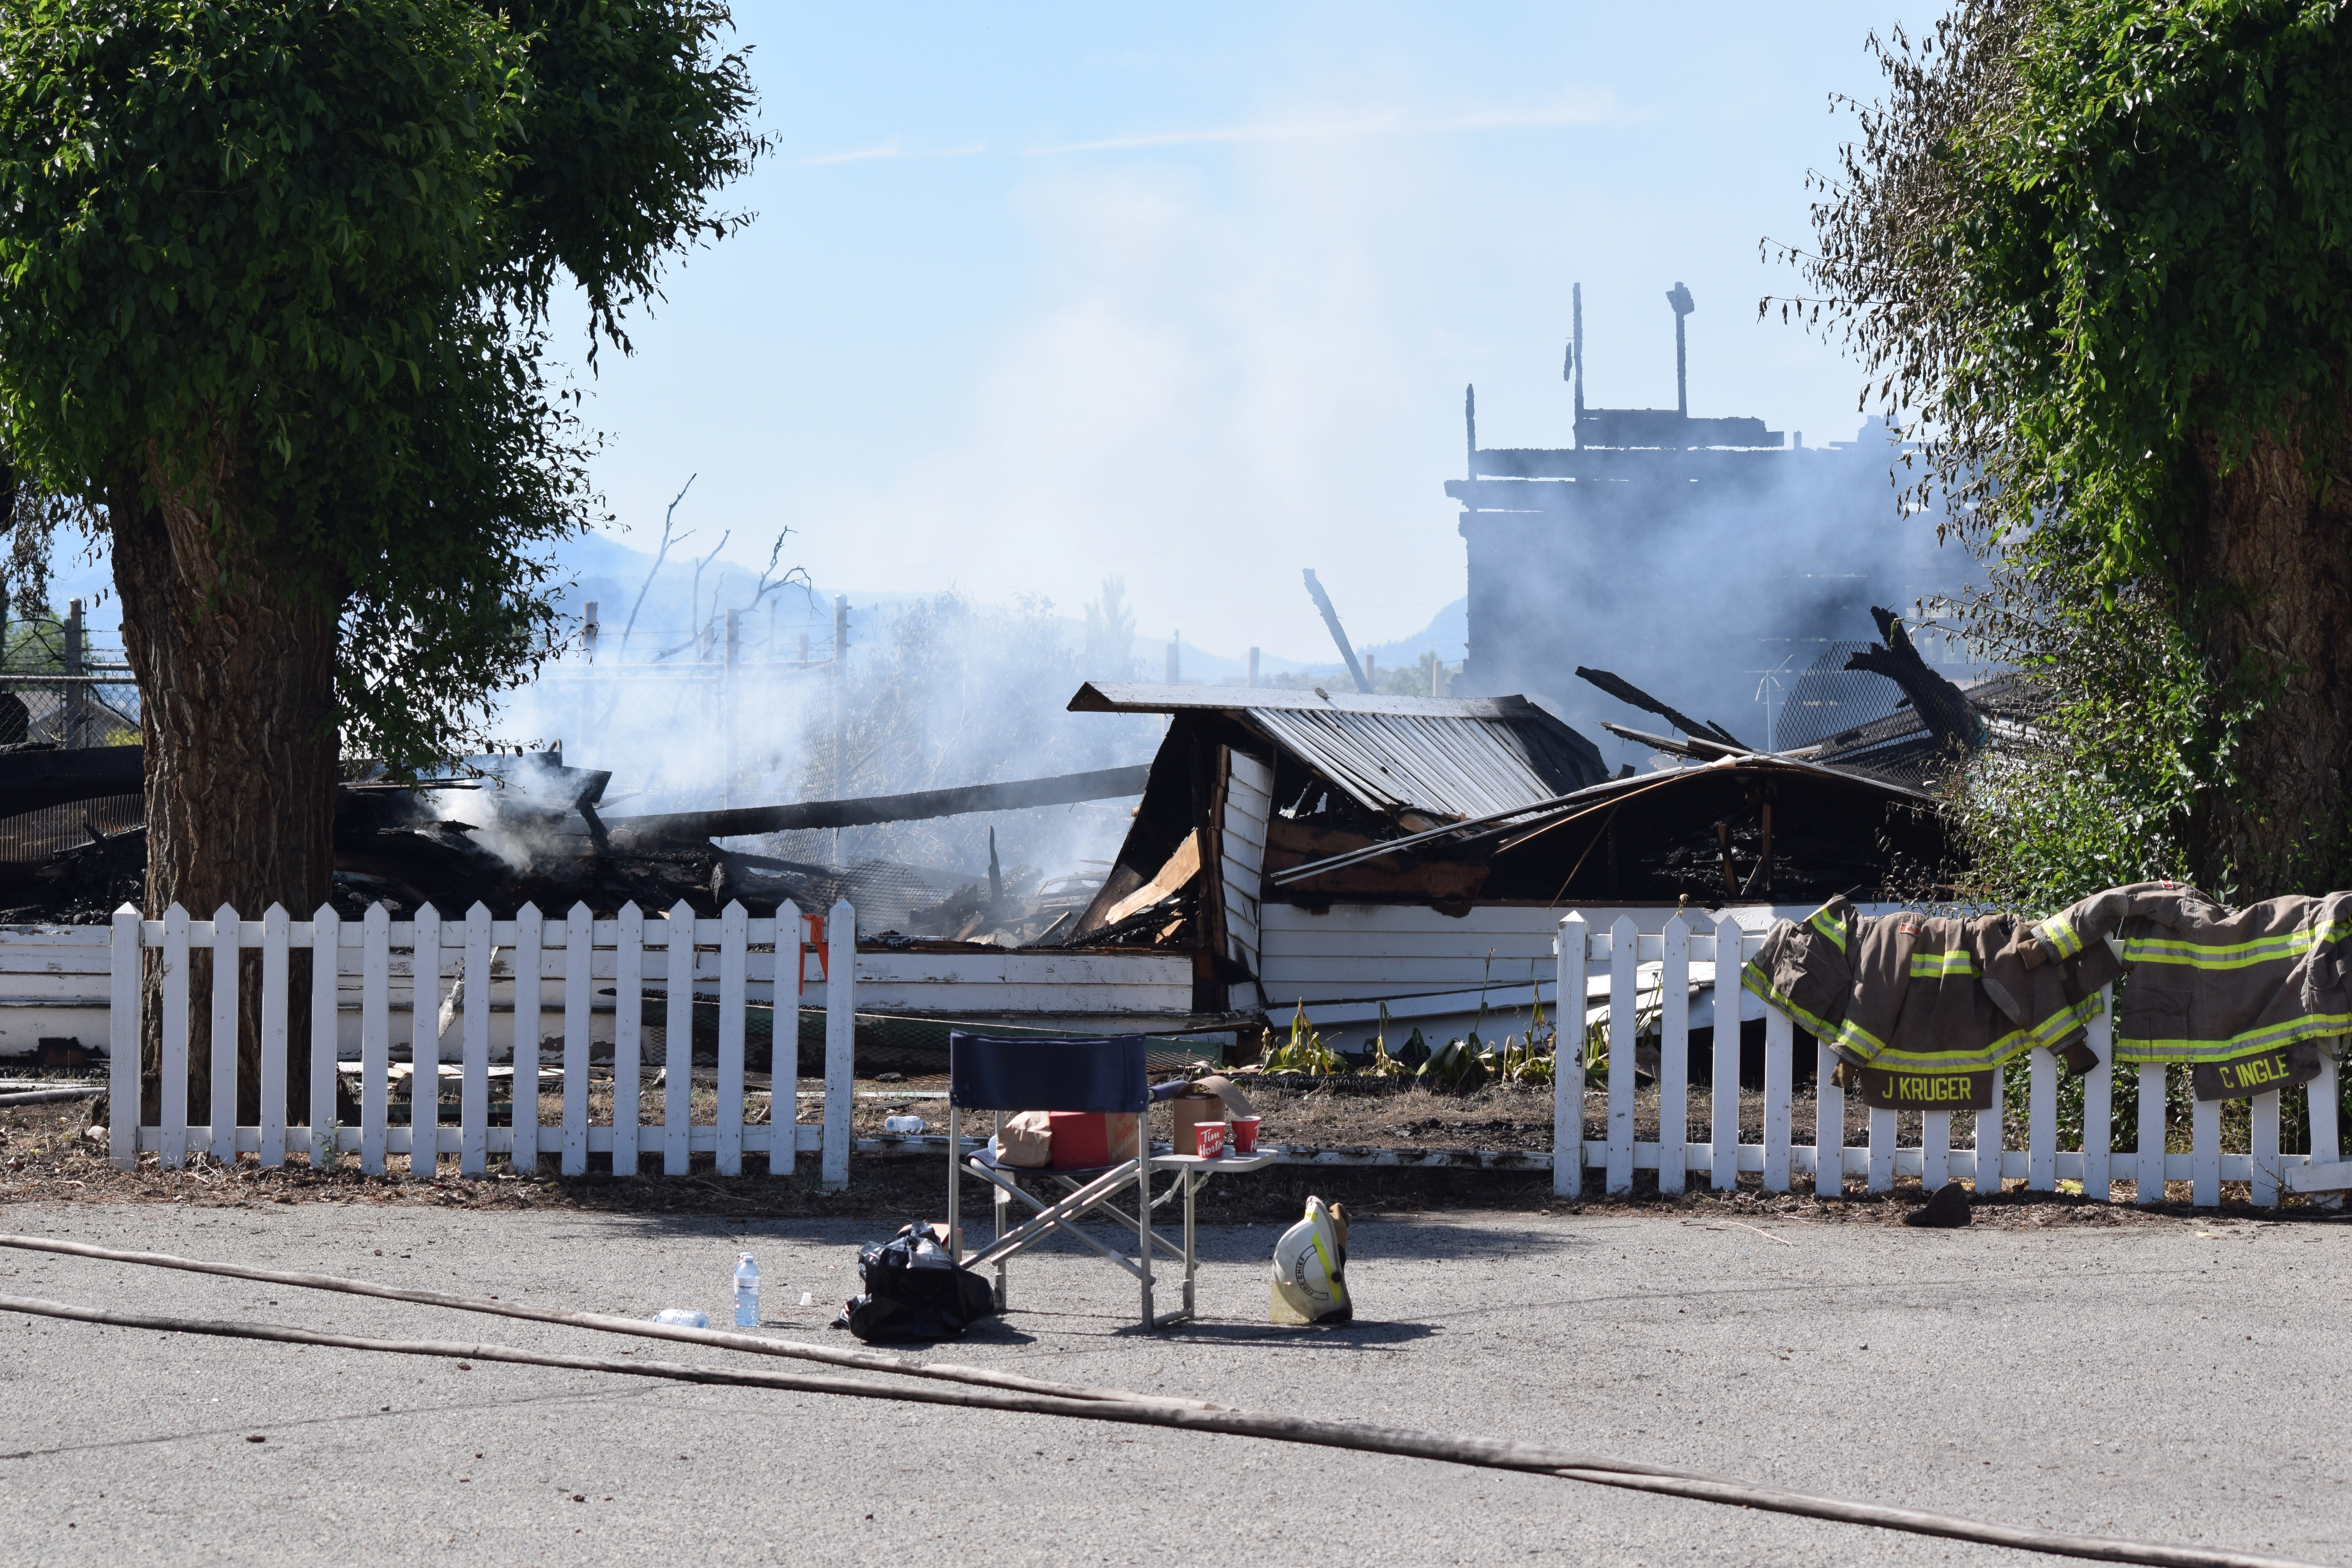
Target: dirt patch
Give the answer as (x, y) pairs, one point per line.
(48, 1156)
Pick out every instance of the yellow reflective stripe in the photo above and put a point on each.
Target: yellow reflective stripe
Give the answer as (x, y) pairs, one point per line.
(2059, 1024)
(2310, 1026)
(1859, 1040)
(2060, 937)
(1339, 1289)
(1830, 926)
(2233, 955)
(1943, 965)
(1753, 980)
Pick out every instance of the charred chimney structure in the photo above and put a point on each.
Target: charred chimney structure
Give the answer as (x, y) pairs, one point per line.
(1710, 556)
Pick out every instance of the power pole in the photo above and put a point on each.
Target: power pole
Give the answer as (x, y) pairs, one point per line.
(1684, 305)
(76, 706)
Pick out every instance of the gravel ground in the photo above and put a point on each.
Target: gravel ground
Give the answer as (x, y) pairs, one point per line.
(2155, 1379)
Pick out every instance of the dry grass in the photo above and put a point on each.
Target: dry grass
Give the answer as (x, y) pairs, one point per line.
(47, 1156)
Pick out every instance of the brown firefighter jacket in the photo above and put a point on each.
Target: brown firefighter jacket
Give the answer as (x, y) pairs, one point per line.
(2220, 990)
(1928, 995)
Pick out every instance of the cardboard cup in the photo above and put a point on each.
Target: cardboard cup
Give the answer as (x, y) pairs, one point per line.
(1244, 1134)
(1211, 1138)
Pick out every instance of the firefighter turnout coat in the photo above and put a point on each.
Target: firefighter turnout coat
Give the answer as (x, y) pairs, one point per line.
(2237, 996)
(1922, 1008)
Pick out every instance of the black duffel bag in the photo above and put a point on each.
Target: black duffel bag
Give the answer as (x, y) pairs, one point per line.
(914, 1292)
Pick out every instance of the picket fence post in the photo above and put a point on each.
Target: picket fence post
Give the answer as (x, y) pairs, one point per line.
(840, 1040)
(1674, 1054)
(125, 995)
(1723, 1103)
(1571, 947)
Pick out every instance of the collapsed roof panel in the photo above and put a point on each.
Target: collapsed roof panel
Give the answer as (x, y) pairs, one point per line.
(1445, 758)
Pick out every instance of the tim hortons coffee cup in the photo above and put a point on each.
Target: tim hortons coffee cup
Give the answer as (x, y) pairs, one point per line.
(1211, 1137)
(1244, 1134)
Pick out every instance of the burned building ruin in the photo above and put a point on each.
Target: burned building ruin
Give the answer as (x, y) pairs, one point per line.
(1712, 557)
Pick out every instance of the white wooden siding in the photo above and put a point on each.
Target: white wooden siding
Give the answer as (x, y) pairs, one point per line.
(1249, 802)
(55, 983)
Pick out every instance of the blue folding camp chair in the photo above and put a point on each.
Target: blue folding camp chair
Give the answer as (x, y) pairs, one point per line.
(1104, 1075)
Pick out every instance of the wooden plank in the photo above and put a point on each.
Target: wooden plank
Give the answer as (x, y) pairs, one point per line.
(529, 940)
(2205, 1153)
(474, 1088)
(2148, 1165)
(67, 990)
(840, 1039)
(424, 1048)
(1417, 963)
(629, 1003)
(2099, 1107)
(326, 939)
(223, 1052)
(734, 927)
(1674, 1057)
(578, 999)
(1780, 1074)
(375, 1037)
(18, 964)
(785, 1109)
(276, 973)
(1623, 1017)
(1829, 1126)
(122, 1045)
(2264, 1148)
(173, 1063)
(1935, 1149)
(678, 1040)
(1987, 1180)
(1568, 1060)
(1881, 1150)
(2326, 1146)
(1723, 1106)
(1342, 918)
(2041, 1122)
(2332, 1177)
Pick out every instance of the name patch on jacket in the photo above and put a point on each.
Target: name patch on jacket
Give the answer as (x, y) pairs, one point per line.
(1900, 1089)
(2257, 1073)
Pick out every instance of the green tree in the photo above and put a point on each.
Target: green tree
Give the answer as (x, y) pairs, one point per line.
(276, 278)
(2100, 248)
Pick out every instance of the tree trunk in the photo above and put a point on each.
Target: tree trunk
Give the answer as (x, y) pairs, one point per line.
(2272, 557)
(236, 673)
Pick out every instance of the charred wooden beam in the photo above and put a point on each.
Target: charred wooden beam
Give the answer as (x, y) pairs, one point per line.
(1065, 789)
(1633, 696)
(1331, 619)
(1949, 715)
(1699, 747)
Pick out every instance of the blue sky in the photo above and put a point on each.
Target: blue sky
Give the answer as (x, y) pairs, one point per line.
(1188, 295)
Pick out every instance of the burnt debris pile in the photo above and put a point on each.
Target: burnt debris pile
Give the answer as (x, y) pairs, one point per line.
(505, 831)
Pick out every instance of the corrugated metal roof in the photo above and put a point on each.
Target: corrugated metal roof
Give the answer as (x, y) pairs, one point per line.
(1449, 767)
(1152, 697)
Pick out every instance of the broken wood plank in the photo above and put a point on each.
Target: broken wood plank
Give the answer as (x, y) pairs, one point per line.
(1063, 789)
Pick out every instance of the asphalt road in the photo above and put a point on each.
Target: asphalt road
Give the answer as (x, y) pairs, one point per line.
(2147, 1382)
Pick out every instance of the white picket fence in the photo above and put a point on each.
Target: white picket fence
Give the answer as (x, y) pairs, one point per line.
(519, 959)
(1718, 1160)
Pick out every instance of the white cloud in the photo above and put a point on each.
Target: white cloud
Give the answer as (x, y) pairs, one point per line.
(890, 149)
(1577, 108)
(1207, 393)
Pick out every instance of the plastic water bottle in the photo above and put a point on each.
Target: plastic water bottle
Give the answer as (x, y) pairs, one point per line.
(683, 1318)
(904, 1125)
(746, 1291)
